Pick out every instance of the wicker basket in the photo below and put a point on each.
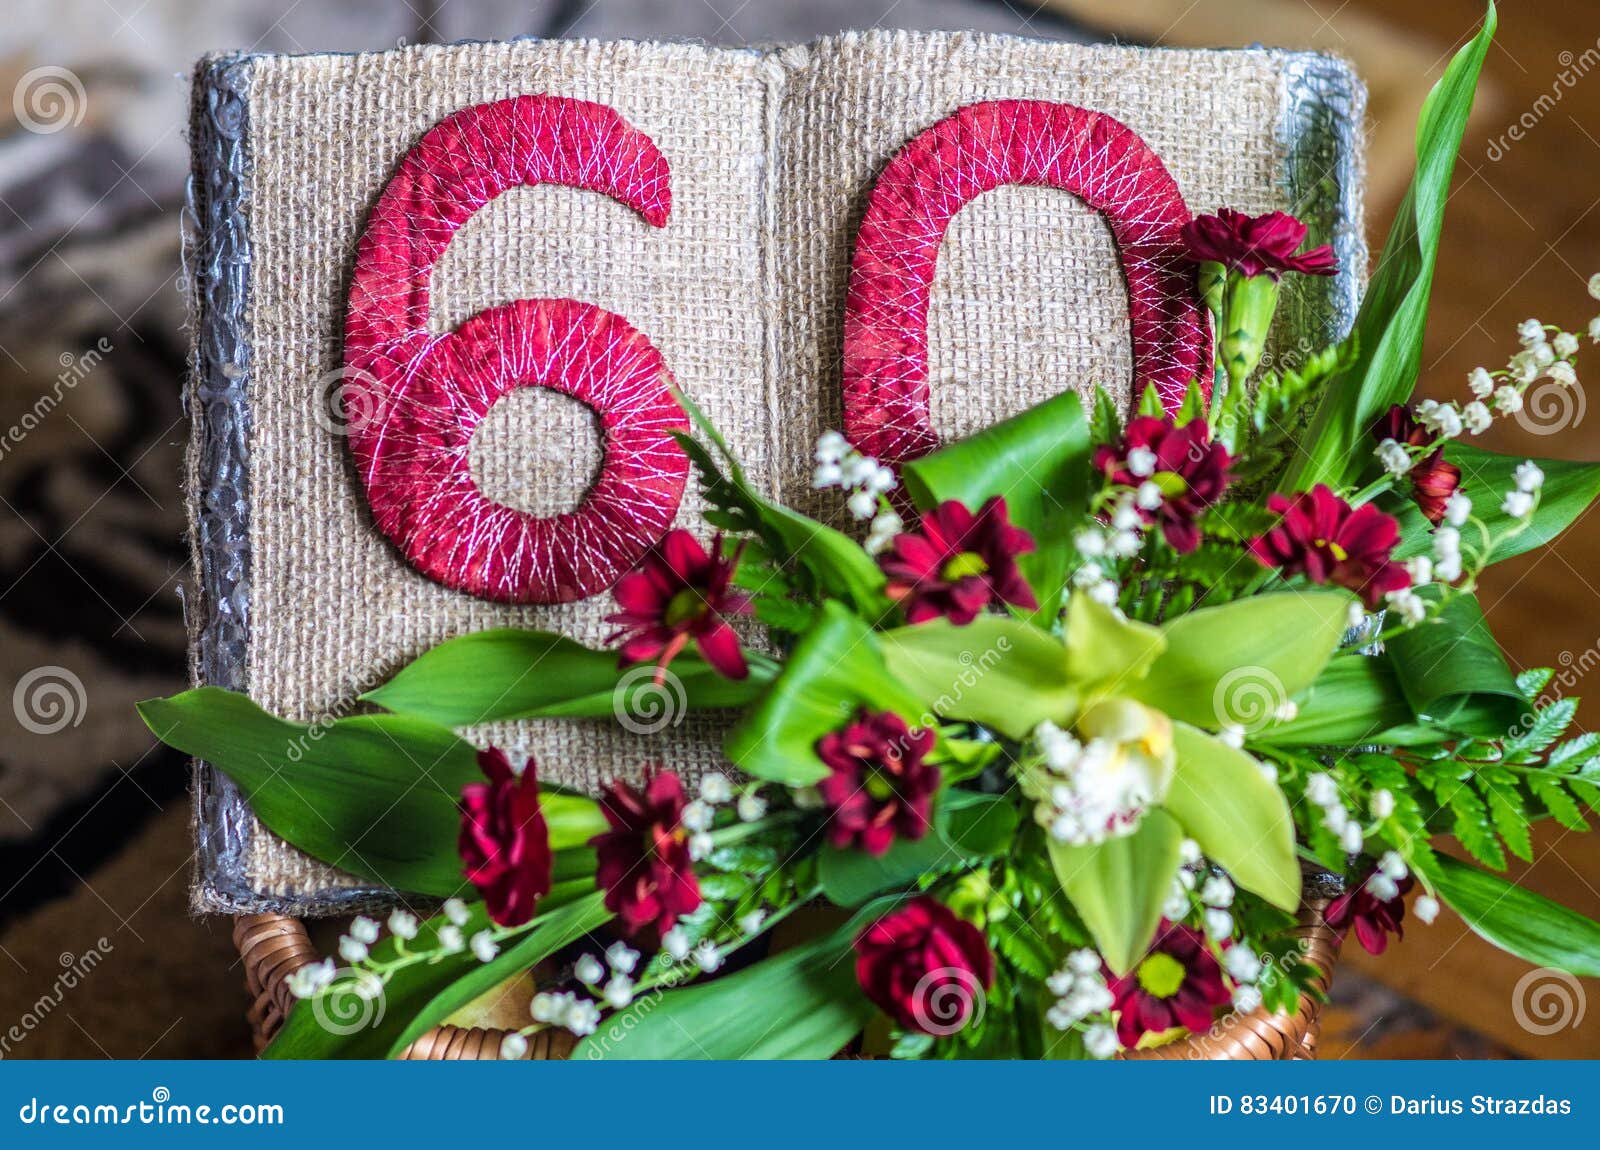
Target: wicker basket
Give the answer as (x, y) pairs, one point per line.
(272, 946)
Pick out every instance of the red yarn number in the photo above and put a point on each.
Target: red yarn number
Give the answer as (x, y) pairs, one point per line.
(419, 397)
(980, 148)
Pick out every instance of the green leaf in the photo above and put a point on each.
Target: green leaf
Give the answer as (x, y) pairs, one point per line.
(509, 673)
(1569, 489)
(835, 669)
(1389, 329)
(1038, 460)
(1119, 886)
(803, 1003)
(1001, 672)
(966, 826)
(1453, 674)
(1238, 662)
(1239, 818)
(375, 794)
(1472, 827)
(1105, 650)
(1356, 699)
(1105, 424)
(1527, 925)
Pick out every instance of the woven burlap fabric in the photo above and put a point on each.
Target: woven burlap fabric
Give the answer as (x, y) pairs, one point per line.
(772, 157)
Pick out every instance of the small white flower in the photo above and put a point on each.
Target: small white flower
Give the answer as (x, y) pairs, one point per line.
(1321, 789)
(1481, 383)
(618, 992)
(364, 929)
(1446, 542)
(863, 504)
(676, 942)
(1125, 515)
(484, 948)
(831, 447)
(715, 788)
(1084, 961)
(1189, 853)
(1335, 818)
(1351, 838)
(1246, 999)
(1456, 509)
(589, 970)
(1524, 368)
(582, 1018)
(1426, 908)
(887, 523)
(1440, 418)
(1382, 804)
(1594, 285)
(1217, 891)
(826, 475)
(1448, 569)
(451, 939)
(1566, 344)
(1104, 594)
(698, 815)
(1355, 616)
(1242, 963)
(1408, 605)
(859, 470)
(751, 807)
(1091, 544)
(707, 957)
(752, 923)
(1563, 373)
(548, 1007)
(806, 798)
(1148, 496)
(1125, 544)
(1594, 329)
(403, 924)
(1286, 711)
(876, 545)
(1219, 924)
(1542, 354)
(1060, 1018)
(1269, 771)
(1176, 907)
(307, 980)
(1517, 504)
(512, 1047)
(1530, 332)
(1396, 459)
(701, 844)
(1529, 476)
(1100, 1041)
(352, 949)
(881, 481)
(1061, 982)
(1382, 887)
(1421, 570)
(621, 957)
(1142, 462)
(1508, 400)
(456, 911)
(1476, 417)
(1391, 864)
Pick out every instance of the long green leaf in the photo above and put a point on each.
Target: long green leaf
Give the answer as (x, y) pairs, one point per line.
(1239, 818)
(1389, 328)
(1355, 700)
(1237, 662)
(966, 826)
(1527, 925)
(510, 673)
(1569, 489)
(998, 671)
(375, 794)
(1120, 885)
(1453, 673)
(1039, 461)
(836, 668)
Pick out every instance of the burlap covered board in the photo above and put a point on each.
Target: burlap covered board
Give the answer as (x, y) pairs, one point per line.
(301, 602)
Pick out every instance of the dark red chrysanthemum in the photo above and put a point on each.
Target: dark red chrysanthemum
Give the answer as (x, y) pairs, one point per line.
(1330, 542)
(643, 862)
(880, 788)
(924, 967)
(1375, 919)
(959, 563)
(1256, 245)
(1190, 469)
(504, 843)
(1433, 480)
(1179, 983)
(677, 594)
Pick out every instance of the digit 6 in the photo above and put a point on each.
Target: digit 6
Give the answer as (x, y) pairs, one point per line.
(979, 148)
(419, 396)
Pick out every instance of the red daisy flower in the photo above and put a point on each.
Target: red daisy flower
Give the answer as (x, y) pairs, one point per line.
(1256, 245)
(880, 788)
(924, 967)
(643, 862)
(504, 843)
(1179, 983)
(1375, 919)
(1190, 469)
(1331, 542)
(679, 593)
(959, 563)
(1433, 480)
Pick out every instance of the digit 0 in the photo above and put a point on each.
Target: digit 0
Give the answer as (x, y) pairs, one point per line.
(418, 397)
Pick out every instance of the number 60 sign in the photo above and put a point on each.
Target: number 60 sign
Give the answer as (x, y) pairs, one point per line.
(427, 393)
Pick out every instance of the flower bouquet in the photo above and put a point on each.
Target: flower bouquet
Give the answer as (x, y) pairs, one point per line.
(1041, 763)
